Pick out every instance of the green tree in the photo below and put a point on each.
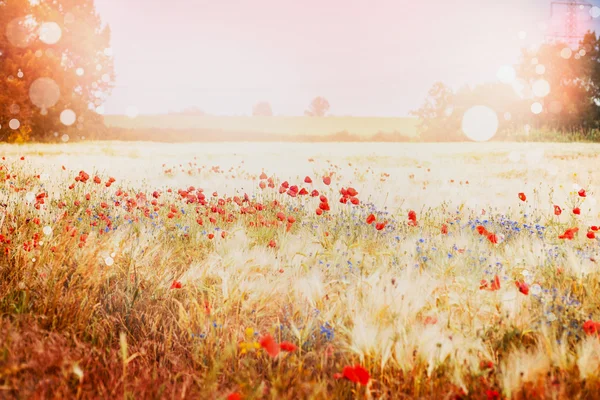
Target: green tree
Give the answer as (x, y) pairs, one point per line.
(56, 56)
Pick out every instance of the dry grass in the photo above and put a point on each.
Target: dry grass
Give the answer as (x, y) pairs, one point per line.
(95, 317)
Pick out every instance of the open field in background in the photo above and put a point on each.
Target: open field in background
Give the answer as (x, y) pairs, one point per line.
(280, 126)
(107, 295)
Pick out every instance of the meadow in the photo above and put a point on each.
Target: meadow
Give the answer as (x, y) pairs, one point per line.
(282, 126)
(298, 270)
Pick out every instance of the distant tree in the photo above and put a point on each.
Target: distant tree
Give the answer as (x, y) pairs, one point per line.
(440, 117)
(318, 107)
(262, 109)
(56, 56)
(437, 117)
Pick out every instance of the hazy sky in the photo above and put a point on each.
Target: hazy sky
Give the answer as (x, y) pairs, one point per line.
(367, 57)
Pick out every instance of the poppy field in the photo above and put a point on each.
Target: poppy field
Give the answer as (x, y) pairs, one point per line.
(292, 271)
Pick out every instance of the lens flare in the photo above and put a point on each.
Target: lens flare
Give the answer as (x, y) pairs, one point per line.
(44, 93)
(480, 123)
(68, 117)
(541, 88)
(50, 32)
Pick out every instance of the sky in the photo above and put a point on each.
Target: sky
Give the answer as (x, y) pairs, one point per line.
(367, 57)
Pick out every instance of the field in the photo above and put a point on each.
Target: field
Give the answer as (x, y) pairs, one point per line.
(280, 126)
(447, 271)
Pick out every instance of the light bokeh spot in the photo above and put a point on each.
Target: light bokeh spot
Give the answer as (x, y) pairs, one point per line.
(537, 108)
(541, 88)
(68, 117)
(20, 32)
(14, 124)
(44, 93)
(50, 32)
(480, 123)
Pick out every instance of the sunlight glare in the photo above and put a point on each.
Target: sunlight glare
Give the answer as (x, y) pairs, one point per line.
(480, 123)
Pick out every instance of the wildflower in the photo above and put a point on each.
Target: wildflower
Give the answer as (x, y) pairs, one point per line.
(523, 287)
(444, 229)
(522, 196)
(577, 211)
(569, 234)
(176, 285)
(234, 396)
(307, 179)
(557, 210)
(287, 346)
(591, 327)
(327, 180)
(591, 235)
(412, 218)
(582, 193)
(370, 219)
(356, 374)
(268, 343)
(380, 225)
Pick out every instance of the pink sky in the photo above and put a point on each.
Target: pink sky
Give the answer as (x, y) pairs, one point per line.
(367, 57)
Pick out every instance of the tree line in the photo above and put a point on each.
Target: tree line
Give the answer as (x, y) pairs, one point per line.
(556, 89)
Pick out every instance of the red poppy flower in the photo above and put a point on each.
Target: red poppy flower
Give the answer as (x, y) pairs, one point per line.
(314, 193)
(356, 374)
(268, 343)
(444, 229)
(576, 211)
(319, 211)
(591, 327)
(557, 210)
(234, 396)
(481, 230)
(370, 219)
(324, 206)
(492, 238)
(263, 176)
(523, 287)
(594, 228)
(380, 225)
(522, 196)
(492, 394)
(327, 180)
(307, 179)
(272, 243)
(569, 234)
(176, 285)
(354, 201)
(582, 193)
(495, 284)
(591, 235)
(287, 346)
